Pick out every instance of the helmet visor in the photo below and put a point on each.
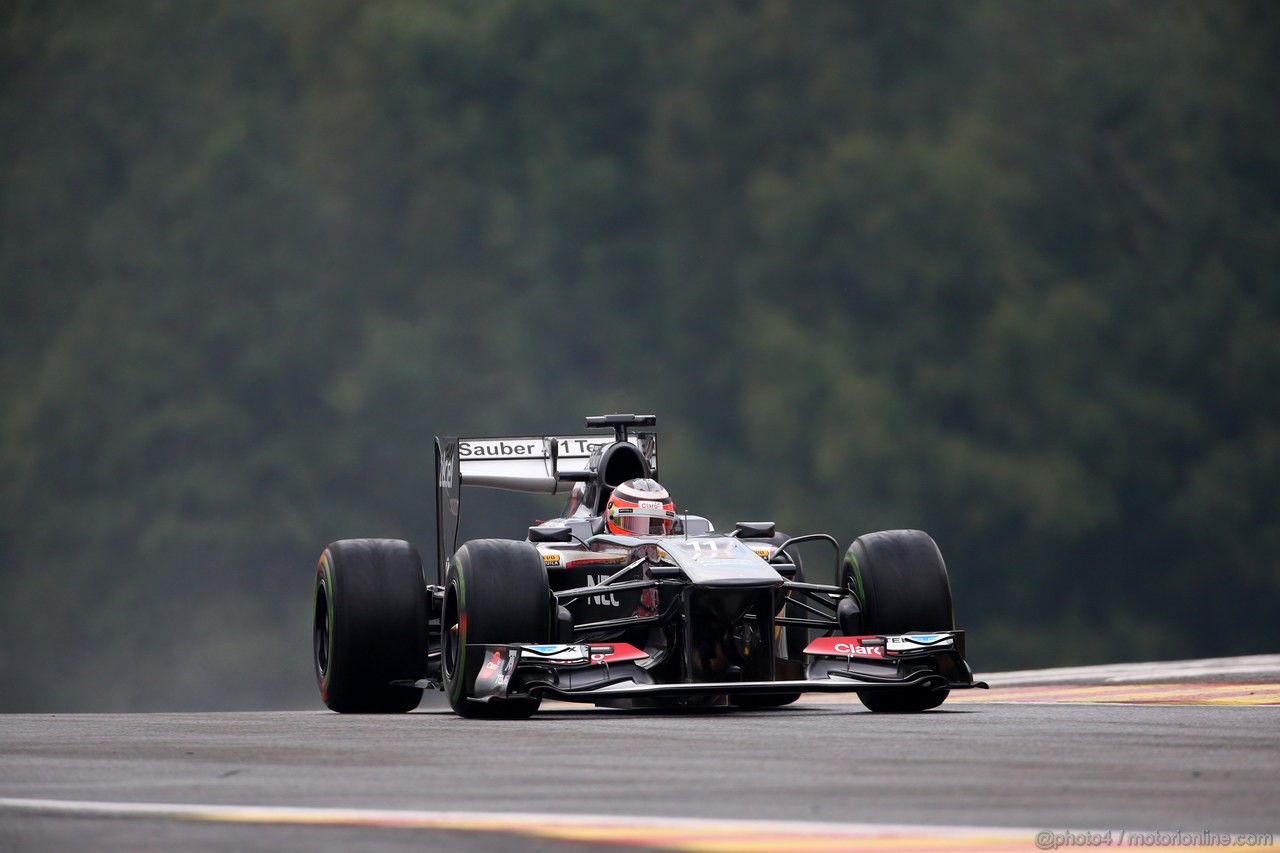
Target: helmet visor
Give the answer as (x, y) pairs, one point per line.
(645, 521)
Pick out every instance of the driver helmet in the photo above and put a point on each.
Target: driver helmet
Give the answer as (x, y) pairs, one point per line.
(640, 507)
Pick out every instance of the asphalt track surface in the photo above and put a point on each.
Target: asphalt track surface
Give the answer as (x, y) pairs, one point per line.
(990, 769)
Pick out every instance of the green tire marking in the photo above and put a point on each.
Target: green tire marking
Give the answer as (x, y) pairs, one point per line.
(852, 561)
(459, 670)
(326, 571)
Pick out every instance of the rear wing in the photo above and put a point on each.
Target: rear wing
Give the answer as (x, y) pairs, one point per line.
(540, 464)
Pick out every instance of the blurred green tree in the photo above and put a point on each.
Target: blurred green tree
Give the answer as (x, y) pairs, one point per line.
(1006, 273)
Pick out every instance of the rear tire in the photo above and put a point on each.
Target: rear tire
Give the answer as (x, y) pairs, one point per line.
(496, 592)
(901, 582)
(370, 627)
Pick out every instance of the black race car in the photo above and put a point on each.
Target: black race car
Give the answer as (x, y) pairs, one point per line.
(573, 612)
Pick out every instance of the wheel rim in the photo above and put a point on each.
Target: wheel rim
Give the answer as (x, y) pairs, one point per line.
(321, 633)
(450, 640)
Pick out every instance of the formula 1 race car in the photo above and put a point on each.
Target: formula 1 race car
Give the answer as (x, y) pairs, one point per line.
(684, 617)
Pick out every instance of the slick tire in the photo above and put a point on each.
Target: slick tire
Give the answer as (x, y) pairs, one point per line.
(496, 592)
(901, 581)
(371, 626)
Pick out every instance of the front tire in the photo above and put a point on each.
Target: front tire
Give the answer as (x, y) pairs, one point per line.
(496, 593)
(370, 628)
(901, 582)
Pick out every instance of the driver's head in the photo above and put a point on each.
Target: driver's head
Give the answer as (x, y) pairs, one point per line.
(640, 507)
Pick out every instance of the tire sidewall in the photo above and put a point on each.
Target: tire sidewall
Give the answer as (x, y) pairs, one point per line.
(324, 587)
(455, 675)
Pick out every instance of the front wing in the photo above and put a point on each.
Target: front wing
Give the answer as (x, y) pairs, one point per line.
(600, 673)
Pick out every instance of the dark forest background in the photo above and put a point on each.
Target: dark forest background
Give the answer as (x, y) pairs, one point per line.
(1005, 271)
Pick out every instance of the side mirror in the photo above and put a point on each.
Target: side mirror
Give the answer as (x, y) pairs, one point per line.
(559, 533)
(754, 530)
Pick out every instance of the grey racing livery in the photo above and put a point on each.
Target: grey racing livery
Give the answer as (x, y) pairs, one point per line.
(694, 618)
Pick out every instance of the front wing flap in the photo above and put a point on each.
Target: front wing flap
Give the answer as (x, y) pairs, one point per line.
(593, 673)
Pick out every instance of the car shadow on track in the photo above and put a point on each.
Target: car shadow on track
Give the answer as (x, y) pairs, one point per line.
(626, 713)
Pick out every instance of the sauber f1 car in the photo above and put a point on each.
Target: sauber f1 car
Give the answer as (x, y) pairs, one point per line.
(688, 617)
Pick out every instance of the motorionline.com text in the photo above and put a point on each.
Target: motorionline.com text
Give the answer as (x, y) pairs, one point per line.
(1053, 840)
